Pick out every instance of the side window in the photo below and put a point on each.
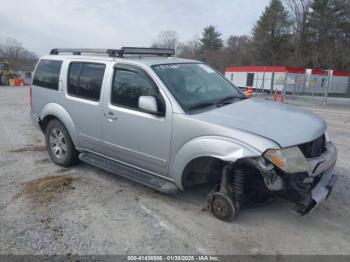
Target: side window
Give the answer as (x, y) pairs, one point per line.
(47, 74)
(85, 80)
(128, 86)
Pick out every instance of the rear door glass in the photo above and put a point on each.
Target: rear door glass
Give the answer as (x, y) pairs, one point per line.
(85, 80)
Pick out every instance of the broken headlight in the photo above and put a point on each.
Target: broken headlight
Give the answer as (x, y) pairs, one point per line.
(290, 159)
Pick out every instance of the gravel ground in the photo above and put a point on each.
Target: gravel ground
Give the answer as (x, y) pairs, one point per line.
(84, 210)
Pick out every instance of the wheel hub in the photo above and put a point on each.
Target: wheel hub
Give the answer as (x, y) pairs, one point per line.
(222, 206)
(58, 143)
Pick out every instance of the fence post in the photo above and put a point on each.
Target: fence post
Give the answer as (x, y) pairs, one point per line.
(327, 87)
(263, 82)
(303, 91)
(272, 82)
(285, 84)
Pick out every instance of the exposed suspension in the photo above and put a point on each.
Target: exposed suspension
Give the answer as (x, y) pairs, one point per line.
(238, 181)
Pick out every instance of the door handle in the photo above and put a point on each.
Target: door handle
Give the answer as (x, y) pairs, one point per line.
(110, 116)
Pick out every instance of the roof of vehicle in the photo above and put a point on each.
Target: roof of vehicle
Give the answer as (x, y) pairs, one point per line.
(144, 60)
(138, 55)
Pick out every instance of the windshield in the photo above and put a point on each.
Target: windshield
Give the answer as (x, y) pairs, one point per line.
(196, 85)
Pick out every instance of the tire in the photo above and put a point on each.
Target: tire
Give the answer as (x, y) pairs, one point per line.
(59, 144)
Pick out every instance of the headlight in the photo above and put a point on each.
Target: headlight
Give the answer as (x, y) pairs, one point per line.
(290, 160)
(328, 138)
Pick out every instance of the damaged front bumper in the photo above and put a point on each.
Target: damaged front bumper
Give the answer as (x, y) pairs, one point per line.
(321, 180)
(307, 189)
(323, 189)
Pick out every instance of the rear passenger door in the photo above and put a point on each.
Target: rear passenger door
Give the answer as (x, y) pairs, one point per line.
(83, 101)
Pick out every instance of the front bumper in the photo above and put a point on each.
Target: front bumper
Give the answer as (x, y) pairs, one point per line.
(307, 189)
(323, 189)
(320, 180)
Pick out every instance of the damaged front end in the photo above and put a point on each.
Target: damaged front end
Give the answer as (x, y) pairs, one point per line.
(302, 174)
(306, 185)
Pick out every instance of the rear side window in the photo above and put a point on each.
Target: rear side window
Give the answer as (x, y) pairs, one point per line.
(47, 74)
(85, 80)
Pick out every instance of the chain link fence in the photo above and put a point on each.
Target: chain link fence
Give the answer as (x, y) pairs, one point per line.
(322, 88)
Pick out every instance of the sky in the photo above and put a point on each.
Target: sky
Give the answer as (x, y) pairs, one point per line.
(41, 25)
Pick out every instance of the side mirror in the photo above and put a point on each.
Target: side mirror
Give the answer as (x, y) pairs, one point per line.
(148, 104)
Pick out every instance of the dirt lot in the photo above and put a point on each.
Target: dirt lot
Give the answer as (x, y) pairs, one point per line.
(45, 209)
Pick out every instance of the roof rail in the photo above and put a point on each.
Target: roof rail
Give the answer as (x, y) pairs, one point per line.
(79, 51)
(116, 52)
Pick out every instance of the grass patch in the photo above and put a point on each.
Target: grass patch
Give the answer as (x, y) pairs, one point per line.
(47, 188)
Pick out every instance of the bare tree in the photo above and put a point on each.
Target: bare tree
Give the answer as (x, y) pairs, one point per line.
(188, 50)
(299, 11)
(167, 39)
(19, 57)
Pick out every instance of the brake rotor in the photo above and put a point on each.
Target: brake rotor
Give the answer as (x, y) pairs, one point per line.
(222, 206)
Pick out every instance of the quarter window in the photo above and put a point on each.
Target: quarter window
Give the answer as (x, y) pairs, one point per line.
(128, 86)
(85, 80)
(47, 74)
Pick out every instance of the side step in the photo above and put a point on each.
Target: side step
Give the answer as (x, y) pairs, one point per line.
(126, 171)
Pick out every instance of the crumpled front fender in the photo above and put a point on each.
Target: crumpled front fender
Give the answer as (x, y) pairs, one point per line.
(222, 148)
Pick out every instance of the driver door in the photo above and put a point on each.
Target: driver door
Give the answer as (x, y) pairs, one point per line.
(131, 135)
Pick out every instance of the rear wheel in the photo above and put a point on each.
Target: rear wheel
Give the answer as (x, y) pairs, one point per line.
(59, 144)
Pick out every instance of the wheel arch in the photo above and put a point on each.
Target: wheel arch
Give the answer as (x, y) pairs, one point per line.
(55, 111)
(212, 148)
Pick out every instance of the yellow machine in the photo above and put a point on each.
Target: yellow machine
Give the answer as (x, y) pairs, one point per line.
(5, 73)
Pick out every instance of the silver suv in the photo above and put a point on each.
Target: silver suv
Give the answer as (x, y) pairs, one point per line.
(172, 123)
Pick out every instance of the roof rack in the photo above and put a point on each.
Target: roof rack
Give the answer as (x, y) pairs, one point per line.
(116, 52)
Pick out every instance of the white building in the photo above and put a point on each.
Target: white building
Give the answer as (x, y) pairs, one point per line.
(295, 79)
(266, 78)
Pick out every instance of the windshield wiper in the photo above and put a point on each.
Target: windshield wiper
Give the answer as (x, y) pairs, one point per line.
(228, 100)
(218, 103)
(201, 105)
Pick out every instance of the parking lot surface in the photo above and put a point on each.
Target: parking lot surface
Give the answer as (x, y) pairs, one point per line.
(45, 209)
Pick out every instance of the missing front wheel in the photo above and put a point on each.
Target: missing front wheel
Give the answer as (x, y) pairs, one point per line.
(221, 202)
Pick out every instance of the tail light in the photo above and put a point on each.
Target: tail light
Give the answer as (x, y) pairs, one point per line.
(31, 97)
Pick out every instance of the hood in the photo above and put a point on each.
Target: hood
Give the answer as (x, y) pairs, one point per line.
(284, 124)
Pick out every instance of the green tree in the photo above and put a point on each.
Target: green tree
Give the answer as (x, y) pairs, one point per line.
(271, 35)
(329, 34)
(238, 51)
(211, 39)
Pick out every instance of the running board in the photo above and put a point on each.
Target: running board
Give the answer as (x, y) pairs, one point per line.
(126, 171)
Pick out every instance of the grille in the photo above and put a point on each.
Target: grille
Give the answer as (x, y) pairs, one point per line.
(314, 148)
